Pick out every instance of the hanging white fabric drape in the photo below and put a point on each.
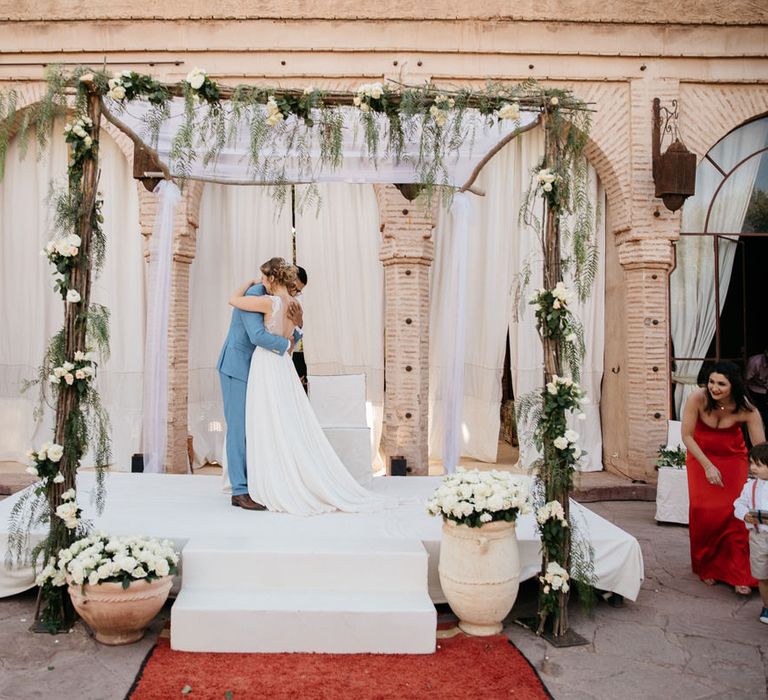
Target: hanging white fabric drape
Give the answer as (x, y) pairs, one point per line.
(692, 283)
(344, 299)
(240, 228)
(454, 308)
(31, 312)
(155, 424)
(499, 246)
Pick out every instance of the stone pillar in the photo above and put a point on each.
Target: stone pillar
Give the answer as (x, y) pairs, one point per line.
(647, 263)
(407, 251)
(184, 242)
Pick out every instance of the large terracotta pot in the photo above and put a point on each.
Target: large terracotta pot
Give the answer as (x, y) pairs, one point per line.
(120, 615)
(480, 574)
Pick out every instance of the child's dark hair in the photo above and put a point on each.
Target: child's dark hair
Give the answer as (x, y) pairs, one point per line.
(759, 453)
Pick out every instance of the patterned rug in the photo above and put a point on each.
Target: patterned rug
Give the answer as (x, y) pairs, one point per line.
(462, 667)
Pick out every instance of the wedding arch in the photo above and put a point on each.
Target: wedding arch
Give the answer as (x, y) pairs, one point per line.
(427, 140)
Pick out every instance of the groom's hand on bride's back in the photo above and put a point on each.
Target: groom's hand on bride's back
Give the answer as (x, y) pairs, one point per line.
(296, 313)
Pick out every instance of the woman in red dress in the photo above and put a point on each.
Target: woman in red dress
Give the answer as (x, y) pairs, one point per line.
(717, 467)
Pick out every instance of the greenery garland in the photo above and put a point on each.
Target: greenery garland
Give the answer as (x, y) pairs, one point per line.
(280, 122)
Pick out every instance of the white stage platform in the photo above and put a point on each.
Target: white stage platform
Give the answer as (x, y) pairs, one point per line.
(192, 506)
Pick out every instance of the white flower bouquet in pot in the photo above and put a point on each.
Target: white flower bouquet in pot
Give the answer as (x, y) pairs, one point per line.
(117, 584)
(479, 562)
(475, 498)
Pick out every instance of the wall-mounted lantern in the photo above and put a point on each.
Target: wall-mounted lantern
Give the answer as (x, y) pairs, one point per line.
(674, 171)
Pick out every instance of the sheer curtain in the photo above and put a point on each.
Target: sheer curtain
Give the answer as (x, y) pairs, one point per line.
(240, 228)
(338, 244)
(692, 283)
(31, 313)
(499, 246)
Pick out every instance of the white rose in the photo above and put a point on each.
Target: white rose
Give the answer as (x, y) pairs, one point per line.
(68, 495)
(554, 101)
(309, 90)
(139, 572)
(117, 93)
(196, 78)
(32, 471)
(124, 74)
(68, 366)
(576, 451)
(55, 452)
(510, 111)
(79, 356)
(112, 82)
(73, 296)
(547, 187)
(560, 443)
(88, 141)
(87, 371)
(556, 304)
(365, 108)
(571, 435)
(78, 131)
(79, 374)
(377, 90)
(67, 128)
(357, 100)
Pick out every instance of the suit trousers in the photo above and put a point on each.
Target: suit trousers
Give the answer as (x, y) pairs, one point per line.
(233, 391)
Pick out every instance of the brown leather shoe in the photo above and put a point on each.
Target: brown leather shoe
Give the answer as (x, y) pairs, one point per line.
(245, 501)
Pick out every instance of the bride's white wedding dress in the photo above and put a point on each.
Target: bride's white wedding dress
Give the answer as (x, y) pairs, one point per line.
(292, 467)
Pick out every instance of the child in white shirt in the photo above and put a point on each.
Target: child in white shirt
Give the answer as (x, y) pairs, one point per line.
(752, 507)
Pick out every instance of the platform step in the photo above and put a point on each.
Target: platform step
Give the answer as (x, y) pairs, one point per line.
(285, 563)
(310, 620)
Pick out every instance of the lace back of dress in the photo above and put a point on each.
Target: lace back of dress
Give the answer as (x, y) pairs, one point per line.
(274, 324)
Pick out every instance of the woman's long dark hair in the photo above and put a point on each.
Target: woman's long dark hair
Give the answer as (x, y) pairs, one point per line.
(738, 390)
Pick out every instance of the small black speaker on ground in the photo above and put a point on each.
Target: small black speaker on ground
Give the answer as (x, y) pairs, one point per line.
(398, 466)
(137, 463)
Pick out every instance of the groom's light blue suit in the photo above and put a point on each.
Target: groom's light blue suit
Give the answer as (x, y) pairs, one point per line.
(246, 332)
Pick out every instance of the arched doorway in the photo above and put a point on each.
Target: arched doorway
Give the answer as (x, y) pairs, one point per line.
(718, 283)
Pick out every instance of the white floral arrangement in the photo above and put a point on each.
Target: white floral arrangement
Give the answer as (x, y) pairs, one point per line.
(79, 131)
(555, 579)
(100, 558)
(117, 85)
(440, 109)
(475, 497)
(83, 369)
(366, 93)
(44, 463)
(545, 179)
(509, 112)
(274, 114)
(553, 510)
(196, 78)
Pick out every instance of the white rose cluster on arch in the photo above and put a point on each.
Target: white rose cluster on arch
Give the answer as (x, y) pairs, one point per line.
(274, 115)
(551, 510)
(99, 558)
(78, 131)
(439, 110)
(196, 78)
(555, 578)
(117, 85)
(365, 93)
(510, 112)
(545, 179)
(82, 369)
(475, 497)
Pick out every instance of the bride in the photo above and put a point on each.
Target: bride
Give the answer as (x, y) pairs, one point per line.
(291, 466)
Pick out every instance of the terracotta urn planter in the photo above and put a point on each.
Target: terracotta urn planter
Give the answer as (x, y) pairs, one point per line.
(480, 574)
(120, 615)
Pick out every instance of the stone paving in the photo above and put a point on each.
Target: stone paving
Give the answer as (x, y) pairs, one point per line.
(680, 640)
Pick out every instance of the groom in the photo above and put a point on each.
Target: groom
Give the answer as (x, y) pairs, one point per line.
(246, 332)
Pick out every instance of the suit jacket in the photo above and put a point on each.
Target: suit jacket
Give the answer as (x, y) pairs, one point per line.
(246, 333)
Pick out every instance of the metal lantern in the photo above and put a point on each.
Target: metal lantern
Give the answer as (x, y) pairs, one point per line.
(674, 171)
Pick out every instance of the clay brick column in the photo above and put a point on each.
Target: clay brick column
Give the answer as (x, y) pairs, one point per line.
(184, 242)
(647, 263)
(407, 251)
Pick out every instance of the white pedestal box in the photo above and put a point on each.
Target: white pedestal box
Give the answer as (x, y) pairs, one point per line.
(353, 446)
(672, 496)
(338, 400)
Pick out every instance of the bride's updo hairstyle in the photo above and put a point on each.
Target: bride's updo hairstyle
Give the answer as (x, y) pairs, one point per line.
(270, 268)
(285, 275)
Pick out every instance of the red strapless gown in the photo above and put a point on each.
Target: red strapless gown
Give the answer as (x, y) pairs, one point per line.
(719, 542)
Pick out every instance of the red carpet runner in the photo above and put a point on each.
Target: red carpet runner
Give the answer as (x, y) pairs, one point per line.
(463, 667)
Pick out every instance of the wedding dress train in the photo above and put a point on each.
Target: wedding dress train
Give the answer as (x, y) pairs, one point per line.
(292, 467)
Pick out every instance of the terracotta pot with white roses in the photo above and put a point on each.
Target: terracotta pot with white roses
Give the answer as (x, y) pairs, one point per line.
(117, 584)
(479, 561)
